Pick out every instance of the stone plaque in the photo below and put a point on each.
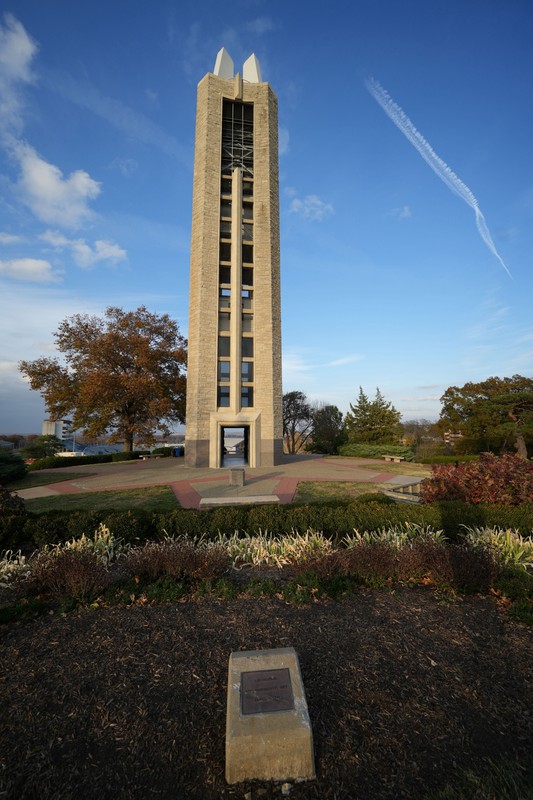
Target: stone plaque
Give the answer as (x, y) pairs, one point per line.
(265, 746)
(265, 691)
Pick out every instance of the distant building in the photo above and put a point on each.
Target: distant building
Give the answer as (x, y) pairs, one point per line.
(60, 428)
(451, 438)
(234, 358)
(6, 445)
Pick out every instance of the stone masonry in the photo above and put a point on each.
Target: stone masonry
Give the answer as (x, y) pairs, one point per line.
(205, 421)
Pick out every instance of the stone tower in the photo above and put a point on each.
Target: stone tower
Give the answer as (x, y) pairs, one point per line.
(234, 363)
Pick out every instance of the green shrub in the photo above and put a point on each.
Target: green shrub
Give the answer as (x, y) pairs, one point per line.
(522, 611)
(261, 587)
(78, 523)
(183, 522)
(130, 455)
(296, 591)
(221, 588)
(47, 529)
(12, 467)
(375, 497)
(132, 527)
(165, 590)
(515, 583)
(455, 459)
(52, 462)
(13, 535)
(376, 450)
(166, 452)
(333, 519)
(11, 504)
(227, 519)
(265, 518)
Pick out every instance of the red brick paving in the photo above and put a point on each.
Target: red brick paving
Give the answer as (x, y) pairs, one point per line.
(186, 496)
(286, 489)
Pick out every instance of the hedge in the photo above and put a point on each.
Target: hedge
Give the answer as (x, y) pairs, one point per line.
(333, 519)
(166, 452)
(12, 467)
(51, 462)
(376, 450)
(448, 459)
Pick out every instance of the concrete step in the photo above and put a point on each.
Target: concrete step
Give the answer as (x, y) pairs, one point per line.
(241, 500)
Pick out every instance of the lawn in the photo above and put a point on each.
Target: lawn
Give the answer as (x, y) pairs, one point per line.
(39, 478)
(151, 498)
(404, 468)
(313, 491)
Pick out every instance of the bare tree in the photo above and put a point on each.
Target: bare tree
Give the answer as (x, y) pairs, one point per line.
(297, 421)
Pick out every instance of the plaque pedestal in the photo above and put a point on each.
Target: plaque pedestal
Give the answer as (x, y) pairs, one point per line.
(268, 731)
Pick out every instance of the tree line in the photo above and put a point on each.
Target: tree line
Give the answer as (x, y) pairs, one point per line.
(495, 415)
(123, 375)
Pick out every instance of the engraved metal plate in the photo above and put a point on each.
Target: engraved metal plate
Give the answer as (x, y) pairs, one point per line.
(266, 690)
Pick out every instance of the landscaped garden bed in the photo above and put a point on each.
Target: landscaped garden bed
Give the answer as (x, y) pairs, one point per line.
(412, 693)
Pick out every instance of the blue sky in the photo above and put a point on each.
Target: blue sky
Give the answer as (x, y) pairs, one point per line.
(387, 280)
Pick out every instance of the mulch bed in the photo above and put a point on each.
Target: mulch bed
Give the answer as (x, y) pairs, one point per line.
(404, 690)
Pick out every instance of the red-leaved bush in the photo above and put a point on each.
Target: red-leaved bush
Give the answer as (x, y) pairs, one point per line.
(506, 480)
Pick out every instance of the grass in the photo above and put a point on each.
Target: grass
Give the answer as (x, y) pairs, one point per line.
(151, 498)
(405, 468)
(43, 478)
(312, 491)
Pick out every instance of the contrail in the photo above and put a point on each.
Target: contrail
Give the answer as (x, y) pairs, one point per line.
(439, 167)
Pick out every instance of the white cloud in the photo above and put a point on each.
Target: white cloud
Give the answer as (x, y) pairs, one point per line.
(283, 140)
(260, 25)
(439, 167)
(9, 238)
(17, 50)
(339, 362)
(52, 197)
(83, 254)
(400, 213)
(311, 207)
(430, 398)
(135, 125)
(301, 368)
(36, 270)
(126, 166)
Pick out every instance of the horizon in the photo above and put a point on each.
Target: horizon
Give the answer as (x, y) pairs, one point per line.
(389, 117)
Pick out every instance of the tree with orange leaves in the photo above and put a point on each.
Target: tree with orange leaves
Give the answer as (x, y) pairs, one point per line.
(122, 374)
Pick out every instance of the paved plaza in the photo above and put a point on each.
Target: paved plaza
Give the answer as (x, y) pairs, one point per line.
(190, 485)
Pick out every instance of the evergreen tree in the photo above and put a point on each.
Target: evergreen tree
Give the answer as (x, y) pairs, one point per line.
(372, 421)
(328, 431)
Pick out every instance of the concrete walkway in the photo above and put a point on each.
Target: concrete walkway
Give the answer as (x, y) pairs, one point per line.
(191, 485)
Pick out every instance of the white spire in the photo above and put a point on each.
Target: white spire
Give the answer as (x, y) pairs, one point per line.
(223, 64)
(251, 71)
